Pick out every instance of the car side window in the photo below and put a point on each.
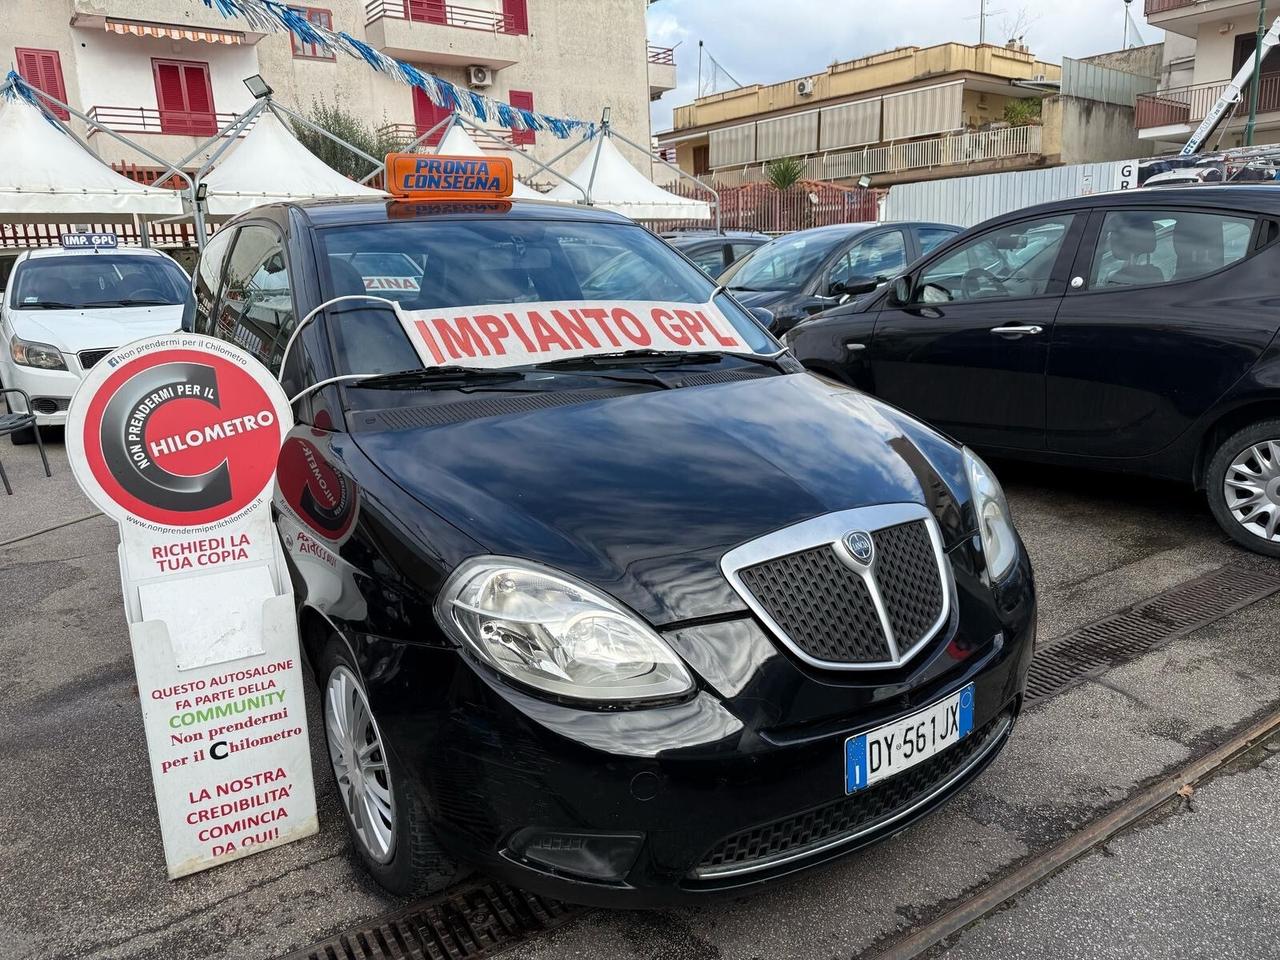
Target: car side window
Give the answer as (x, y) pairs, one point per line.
(740, 250)
(1014, 260)
(932, 237)
(256, 308)
(710, 260)
(1145, 247)
(207, 277)
(879, 257)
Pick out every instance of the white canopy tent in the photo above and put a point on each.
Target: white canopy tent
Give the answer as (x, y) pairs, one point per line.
(614, 184)
(48, 174)
(269, 166)
(458, 143)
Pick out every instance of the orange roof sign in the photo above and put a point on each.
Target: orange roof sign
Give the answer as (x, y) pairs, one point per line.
(422, 176)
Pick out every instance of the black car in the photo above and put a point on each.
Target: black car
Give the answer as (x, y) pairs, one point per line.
(1131, 331)
(626, 625)
(715, 252)
(803, 273)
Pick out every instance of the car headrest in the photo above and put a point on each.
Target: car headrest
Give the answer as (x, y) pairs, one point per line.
(1133, 234)
(347, 281)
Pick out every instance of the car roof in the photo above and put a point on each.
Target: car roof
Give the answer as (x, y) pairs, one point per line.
(1251, 197)
(113, 251)
(337, 212)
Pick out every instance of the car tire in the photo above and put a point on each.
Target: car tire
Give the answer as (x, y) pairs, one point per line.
(20, 438)
(407, 859)
(1247, 465)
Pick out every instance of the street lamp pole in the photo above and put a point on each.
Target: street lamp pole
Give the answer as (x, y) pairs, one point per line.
(1257, 74)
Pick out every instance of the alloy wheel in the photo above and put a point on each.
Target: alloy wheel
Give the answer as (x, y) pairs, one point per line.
(1252, 489)
(360, 764)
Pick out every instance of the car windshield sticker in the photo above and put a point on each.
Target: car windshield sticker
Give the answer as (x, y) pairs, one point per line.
(391, 283)
(515, 334)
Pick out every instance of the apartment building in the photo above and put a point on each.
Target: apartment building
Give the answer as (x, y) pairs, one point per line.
(917, 113)
(168, 73)
(1206, 42)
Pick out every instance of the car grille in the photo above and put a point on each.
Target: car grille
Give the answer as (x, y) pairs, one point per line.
(826, 608)
(90, 357)
(853, 816)
(48, 405)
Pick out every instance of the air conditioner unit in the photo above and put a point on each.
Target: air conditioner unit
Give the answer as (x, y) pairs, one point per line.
(478, 75)
(804, 87)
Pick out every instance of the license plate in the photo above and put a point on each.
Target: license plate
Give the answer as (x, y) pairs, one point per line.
(889, 750)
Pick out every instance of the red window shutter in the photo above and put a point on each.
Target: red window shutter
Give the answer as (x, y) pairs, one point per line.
(426, 115)
(524, 100)
(516, 15)
(185, 98)
(426, 11)
(43, 70)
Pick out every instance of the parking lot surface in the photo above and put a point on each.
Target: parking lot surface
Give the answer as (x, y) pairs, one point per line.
(81, 862)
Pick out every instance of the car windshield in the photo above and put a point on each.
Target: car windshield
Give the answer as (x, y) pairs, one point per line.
(538, 267)
(783, 264)
(99, 281)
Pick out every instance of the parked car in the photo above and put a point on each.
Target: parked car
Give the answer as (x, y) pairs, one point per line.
(623, 623)
(715, 252)
(63, 310)
(1131, 331)
(803, 273)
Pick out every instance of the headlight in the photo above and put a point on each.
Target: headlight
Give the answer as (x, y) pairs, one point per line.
(999, 542)
(556, 634)
(40, 355)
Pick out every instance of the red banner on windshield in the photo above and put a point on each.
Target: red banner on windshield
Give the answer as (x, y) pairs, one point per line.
(514, 334)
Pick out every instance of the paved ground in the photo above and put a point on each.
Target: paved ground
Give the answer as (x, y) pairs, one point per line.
(80, 856)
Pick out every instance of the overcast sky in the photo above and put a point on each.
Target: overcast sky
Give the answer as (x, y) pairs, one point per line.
(766, 41)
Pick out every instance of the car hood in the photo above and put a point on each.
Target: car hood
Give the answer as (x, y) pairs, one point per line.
(642, 494)
(89, 329)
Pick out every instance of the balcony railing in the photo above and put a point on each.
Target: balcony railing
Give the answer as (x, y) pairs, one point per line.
(445, 14)
(400, 135)
(1186, 105)
(956, 149)
(1162, 6)
(665, 55)
(150, 120)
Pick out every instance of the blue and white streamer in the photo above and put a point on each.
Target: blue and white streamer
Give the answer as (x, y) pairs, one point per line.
(271, 16)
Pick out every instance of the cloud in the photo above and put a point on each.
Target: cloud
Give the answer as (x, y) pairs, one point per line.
(764, 41)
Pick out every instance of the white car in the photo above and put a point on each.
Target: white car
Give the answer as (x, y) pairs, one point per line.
(64, 310)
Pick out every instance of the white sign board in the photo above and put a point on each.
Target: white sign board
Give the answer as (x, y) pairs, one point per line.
(177, 438)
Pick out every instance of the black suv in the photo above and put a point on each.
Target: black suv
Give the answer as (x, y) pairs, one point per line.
(1129, 331)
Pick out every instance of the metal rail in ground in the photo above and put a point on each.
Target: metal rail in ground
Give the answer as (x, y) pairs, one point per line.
(1096, 833)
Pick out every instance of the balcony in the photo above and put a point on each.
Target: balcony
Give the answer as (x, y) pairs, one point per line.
(1185, 17)
(433, 31)
(662, 70)
(953, 150)
(1184, 107)
(399, 135)
(132, 120)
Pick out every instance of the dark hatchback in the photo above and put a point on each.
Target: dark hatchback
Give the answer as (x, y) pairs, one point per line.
(712, 252)
(800, 274)
(625, 627)
(1131, 331)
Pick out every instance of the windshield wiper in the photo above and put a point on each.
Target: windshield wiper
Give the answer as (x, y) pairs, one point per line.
(129, 303)
(430, 378)
(50, 305)
(732, 289)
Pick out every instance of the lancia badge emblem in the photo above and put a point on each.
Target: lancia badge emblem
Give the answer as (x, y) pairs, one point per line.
(859, 545)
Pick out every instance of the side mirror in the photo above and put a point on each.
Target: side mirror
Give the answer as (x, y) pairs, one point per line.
(855, 287)
(765, 317)
(902, 291)
(188, 324)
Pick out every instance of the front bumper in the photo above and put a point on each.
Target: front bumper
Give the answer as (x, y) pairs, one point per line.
(50, 391)
(725, 791)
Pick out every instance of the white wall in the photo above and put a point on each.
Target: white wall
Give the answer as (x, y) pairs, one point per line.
(115, 70)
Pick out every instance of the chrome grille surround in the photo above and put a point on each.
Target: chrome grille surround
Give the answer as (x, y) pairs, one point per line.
(830, 530)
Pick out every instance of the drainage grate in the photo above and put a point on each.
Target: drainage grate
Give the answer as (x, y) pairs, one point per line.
(474, 921)
(1125, 635)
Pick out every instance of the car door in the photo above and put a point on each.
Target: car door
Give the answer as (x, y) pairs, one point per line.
(1167, 308)
(967, 350)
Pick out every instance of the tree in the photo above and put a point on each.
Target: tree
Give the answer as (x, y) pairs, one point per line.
(1022, 113)
(785, 172)
(332, 117)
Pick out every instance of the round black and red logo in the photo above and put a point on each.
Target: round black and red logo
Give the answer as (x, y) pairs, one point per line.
(180, 432)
